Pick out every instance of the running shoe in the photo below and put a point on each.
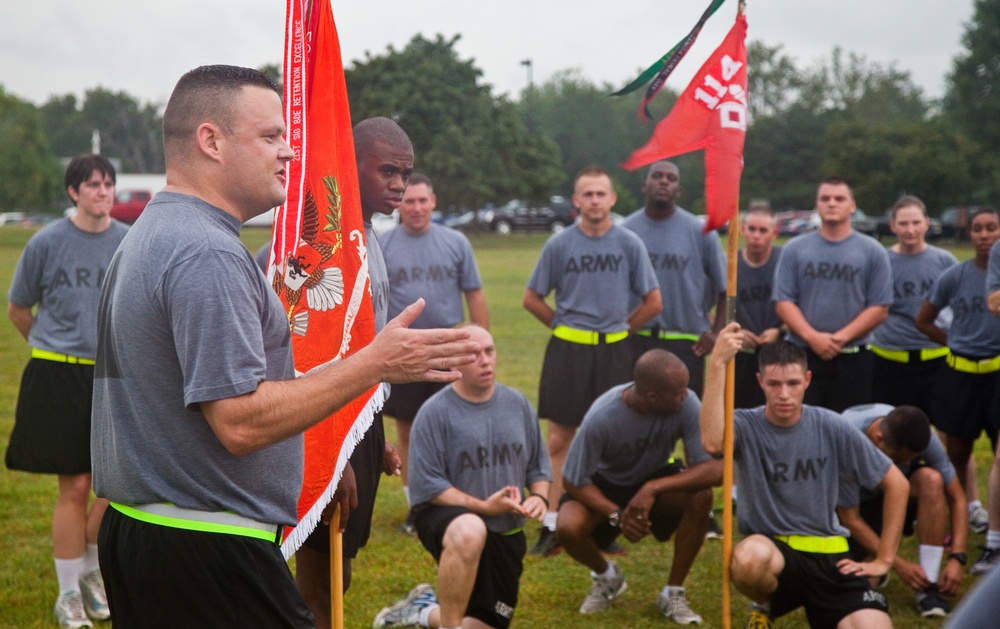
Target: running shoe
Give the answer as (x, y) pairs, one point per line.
(69, 611)
(603, 591)
(676, 608)
(758, 618)
(931, 603)
(95, 600)
(979, 519)
(406, 612)
(548, 545)
(987, 560)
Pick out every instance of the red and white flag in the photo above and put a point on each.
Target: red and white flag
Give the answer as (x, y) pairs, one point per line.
(318, 260)
(711, 114)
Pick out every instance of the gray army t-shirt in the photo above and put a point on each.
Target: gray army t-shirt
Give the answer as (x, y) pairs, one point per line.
(62, 270)
(437, 265)
(477, 449)
(187, 317)
(832, 282)
(626, 448)
(690, 268)
(974, 331)
(913, 278)
(754, 291)
(596, 279)
(794, 474)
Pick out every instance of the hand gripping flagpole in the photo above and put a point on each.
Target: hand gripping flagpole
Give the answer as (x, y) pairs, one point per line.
(732, 254)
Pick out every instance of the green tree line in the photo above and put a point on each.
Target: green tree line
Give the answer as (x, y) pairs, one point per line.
(844, 115)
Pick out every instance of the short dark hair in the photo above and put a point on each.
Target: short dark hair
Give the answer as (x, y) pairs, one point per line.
(781, 353)
(378, 129)
(81, 167)
(205, 94)
(418, 178)
(591, 171)
(983, 209)
(907, 200)
(761, 207)
(906, 427)
(837, 181)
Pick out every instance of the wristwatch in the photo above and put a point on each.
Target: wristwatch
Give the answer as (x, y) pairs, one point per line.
(615, 519)
(961, 558)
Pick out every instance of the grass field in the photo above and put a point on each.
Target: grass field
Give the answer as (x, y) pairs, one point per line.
(551, 589)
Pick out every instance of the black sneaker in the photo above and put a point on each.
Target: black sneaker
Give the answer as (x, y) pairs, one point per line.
(407, 527)
(931, 603)
(986, 560)
(714, 530)
(615, 549)
(547, 545)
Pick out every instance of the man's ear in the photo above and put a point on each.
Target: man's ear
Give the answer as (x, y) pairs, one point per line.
(210, 140)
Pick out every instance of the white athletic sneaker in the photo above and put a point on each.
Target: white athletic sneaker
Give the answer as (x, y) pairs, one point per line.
(406, 612)
(979, 520)
(987, 560)
(69, 611)
(603, 591)
(676, 608)
(95, 601)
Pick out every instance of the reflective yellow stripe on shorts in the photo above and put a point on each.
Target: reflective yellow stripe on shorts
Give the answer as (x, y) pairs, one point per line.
(586, 337)
(168, 515)
(44, 354)
(813, 544)
(986, 365)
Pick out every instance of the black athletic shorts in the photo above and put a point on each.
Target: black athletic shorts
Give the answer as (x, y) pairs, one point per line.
(871, 513)
(965, 404)
(494, 595)
(661, 527)
(911, 383)
(812, 580)
(51, 432)
(158, 576)
(406, 399)
(574, 375)
(840, 383)
(368, 462)
(748, 393)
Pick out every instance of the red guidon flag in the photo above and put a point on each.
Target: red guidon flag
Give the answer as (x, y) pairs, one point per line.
(318, 262)
(711, 114)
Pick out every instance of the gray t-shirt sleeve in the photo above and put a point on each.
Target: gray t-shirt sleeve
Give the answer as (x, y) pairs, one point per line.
(200, 307)
(993, 270)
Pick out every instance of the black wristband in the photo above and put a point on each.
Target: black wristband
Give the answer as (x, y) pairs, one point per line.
(961, 558)
(543, 498)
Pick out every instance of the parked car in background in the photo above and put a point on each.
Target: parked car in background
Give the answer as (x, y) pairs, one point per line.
(794, 222)
(515, 215)
(129, 204)
(865, 224)
(955, 221)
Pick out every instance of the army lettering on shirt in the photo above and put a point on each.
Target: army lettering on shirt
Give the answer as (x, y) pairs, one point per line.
(689, 265)
(913, 279)
(832, 282)
(974, 332)
(755, 286)
(594, 264)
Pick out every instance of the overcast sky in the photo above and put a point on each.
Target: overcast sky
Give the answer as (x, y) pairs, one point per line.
(142, 46)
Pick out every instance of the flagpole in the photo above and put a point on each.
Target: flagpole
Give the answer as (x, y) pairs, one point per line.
(732, 253)
(336, 572)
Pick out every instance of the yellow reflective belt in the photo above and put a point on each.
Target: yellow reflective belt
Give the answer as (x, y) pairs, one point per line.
(163, 514)
(934, 352)
(903, 356)
(895, 355)
(59, 358)
(667, 335)
(812, 544)
(986, 365)
(585, 337)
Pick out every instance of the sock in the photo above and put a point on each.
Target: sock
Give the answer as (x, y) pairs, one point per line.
(68, 573)
(992, 539)
(425, 615)
(974, 504)
(930, 561)
(550, 520)
(406, 493)
(766, 607)
(90, 559)
(609, 573)
(672, 590)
